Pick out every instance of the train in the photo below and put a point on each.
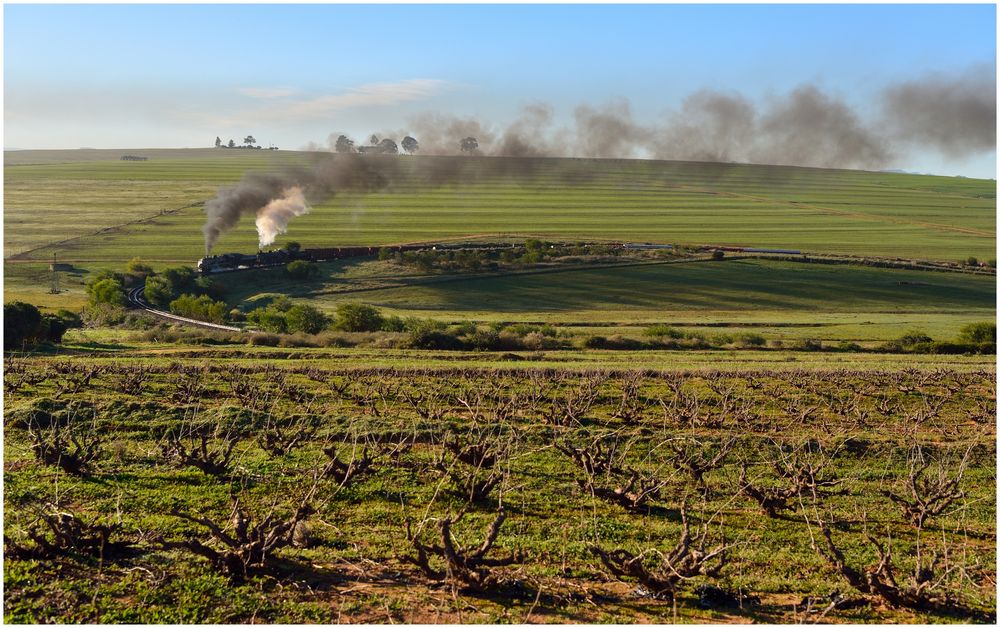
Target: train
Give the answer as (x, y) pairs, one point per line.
(229, 262)
(746, 249)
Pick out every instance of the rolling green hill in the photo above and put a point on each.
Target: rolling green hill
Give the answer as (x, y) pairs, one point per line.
(835, 211)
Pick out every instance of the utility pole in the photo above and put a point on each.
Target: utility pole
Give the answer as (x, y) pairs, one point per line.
(54, 289)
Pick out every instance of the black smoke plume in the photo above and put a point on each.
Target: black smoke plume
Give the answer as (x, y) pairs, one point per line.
(806, 127)
(953, 114)
(274, 199)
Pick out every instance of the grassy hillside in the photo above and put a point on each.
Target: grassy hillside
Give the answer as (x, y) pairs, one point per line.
(782, 300)
(47, 200)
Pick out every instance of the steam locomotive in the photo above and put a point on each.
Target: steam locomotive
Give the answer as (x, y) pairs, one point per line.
(228, 262)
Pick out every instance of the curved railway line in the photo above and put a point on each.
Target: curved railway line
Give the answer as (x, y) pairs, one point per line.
(136, 299)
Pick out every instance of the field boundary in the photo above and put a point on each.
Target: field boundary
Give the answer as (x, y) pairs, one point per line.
(20, 257)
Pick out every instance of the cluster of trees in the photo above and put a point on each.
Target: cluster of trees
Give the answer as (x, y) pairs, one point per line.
(248, 142)
(201, 307)
(388, 146)
(25, 326)
(167, 285)
(178, 289)
(281, 317)
(972, 338)
(376, 145)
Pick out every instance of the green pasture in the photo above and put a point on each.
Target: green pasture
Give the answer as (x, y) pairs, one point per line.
(780, 300)
(836, 211)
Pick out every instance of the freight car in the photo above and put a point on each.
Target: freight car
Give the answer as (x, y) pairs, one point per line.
(776, 251)
(229, 262)
(745, 249)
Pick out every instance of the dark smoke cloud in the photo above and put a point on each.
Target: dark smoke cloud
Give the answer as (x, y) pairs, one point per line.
(253, 192)
(954, 114)
(711, 126)
(527, 136)
(440, 134)
(805, 127)
(608, 132)
(809, 128)
(274, 199)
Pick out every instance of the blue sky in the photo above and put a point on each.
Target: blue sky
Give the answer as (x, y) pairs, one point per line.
(178, 75)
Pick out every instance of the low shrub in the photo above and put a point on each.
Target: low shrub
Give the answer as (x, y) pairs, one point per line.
(660, 331)
(298, 340)
(978, 333)
(263, 340)
(618, 343)
(339, 341)
(427, 337)
(537, 341)
(808, 344)
(749, 340)
(484, 340)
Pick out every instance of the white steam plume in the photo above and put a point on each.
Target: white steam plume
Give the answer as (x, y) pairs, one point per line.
(273, 218)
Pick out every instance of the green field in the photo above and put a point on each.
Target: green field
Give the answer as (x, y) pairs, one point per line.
(781, 300)
(50, 196)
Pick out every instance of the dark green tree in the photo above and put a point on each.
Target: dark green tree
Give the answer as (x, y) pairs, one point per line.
(306, 319)
(158, 291)
(21, 325)
(358, 317)
(388, 147)
(301, 269)
(344, 145)
(978, 333)
(469, 145)
(107, 290)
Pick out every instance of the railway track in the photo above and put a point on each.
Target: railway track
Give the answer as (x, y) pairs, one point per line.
(138, 300)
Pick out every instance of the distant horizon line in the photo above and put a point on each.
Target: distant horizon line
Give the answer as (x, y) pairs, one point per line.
(7, 149)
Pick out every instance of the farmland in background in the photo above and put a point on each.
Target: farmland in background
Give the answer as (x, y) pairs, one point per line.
(837, 211)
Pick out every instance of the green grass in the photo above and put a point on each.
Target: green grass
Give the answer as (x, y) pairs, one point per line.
(811, 209)
(782, 300)
(728, 285)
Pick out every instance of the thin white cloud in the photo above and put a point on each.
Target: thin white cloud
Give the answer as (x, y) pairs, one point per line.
(372, 94)
(323, 106)
(266, 92)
